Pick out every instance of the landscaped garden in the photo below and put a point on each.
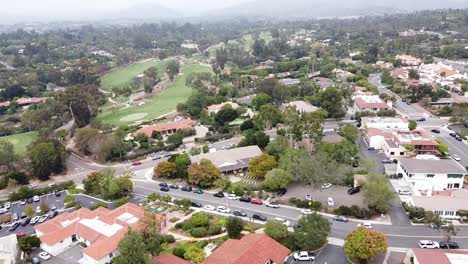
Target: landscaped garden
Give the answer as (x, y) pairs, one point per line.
(202, 225)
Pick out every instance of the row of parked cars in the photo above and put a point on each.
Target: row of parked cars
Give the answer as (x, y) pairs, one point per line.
(434, 244)
(32, 220)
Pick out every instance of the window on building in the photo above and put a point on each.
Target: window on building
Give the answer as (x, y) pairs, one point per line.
(438, 212)
(430, 175)
(456, 186)
(402, 153)
(410, 175)
(392, 153)
(111, 255)
(451, 213)
(454, 176)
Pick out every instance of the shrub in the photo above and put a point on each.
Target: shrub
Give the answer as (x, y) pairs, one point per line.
(174, 219)
(120, 202)
(179, 251)
(305, 203)
(97, 205)
(169, 239)
(198, 232)
(200, 219)
(179, 225)
(214, 230)
(69, 199)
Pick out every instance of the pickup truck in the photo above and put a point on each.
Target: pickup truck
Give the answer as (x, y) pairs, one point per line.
(304, 256)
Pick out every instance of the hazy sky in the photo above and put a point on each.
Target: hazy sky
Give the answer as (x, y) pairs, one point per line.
(75, 7)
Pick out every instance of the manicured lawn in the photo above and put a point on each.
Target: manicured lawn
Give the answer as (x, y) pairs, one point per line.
(21, 141)
(248, 40)
(163, 103)
(123, 77)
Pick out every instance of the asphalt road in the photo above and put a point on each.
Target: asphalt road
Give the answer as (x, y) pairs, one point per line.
(460, 148)
(398, 236)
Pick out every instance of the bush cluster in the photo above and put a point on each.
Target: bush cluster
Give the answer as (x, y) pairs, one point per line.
(314, 205)
(414, 213)
(25, 192)
(354, 211)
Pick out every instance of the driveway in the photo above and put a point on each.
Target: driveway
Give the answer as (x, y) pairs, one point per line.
(71, 255)
(331, 254)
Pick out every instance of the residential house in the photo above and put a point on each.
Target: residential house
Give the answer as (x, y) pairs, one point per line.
(166, 128)
(444, 203)
(342, 75)
(431, 175)
(5, 104)
(30, 101)
(412, 82)
(379, 129)
(168, 259)
(408, 60)
(439, 256)
(324, 83)
(213, 109)
(450, 101)
(251, 249)
(246, 100)
(370, 103)
(401, 73)
(230, 160)
(301, 106)
(100, 230)
(289, 81)
(9, 252)
(422, 143)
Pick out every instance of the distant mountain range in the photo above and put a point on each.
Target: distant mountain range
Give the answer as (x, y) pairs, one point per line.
(289, 9)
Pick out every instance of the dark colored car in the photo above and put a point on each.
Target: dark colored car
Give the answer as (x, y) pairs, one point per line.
(259, 217)
(340, 218)
(448, 245)
(58, 193)
(280, 192)
(245, 199)
(14, 226)
(26, 221)
(421, 119)
(173, 186)
(239, 213)
(452, 134)
(195, 204)
(258, 202)
(23, 215)
(437, 131)
(164, 189)
(163, 184)
(354, 190)
(186, 189)
(136, 163)
(53, 214)
(198, 191)
(30, 200)
(458, 138)
(370, 148)
(219, 195)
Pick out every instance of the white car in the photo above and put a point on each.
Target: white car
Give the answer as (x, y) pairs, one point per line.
(283, 221)
(366, 225)
(43, 218)
(309, 197)
(272, 205)
(7, 205)
(306, 211)
(3, 210)
(23, 202)
(331, 202)
(209, 207)
(428, 244)
(36, 198)
(34, 220)
(44, 255)
(326, 185)
(232, 197)
(223, 209)
(32, 185)
(304, 256)
(38, 210)
(455, 157)
(404, 192)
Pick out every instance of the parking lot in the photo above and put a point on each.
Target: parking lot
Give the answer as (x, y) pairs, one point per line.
(71, 255)
(331, 254)
(16, 207)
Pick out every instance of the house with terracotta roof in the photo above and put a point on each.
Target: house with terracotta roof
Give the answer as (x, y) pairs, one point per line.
(30, 101)
(252, 249)
(401, 73)
(166, 128)
(100, 230)
(370, 103)
(423, 143)
(439, 256)
(168, 259)
(408, 60)
(379, 129)
(5, 104)
(215, 108)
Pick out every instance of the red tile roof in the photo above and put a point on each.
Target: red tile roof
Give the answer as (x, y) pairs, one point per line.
(252, 249)
(362, 104)
(177, 125)
(5, 104)
(68, 224)
(430, 256)
(34, 100)
(168, 259)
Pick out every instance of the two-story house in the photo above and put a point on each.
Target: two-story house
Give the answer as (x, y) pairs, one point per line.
(419, 140)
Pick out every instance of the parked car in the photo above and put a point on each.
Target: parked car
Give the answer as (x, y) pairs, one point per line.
(44, 255)
(36, 198)
(30, 200)
(259, 217)
(366, 225)
(304, 256)
(14, 226)
(232, 196)
(428, 244)
(198, 191)
(7, 205)
(163, 184)
(20, 235)
(219, 194)
(35, 260)
(330, 202)
(245, 199)
(455, 157)
(354, 190)
(223, 209)
(164, 189)
(308, 197)
(26, 221)
(53, 214)
(58, 193)
(283, 221)
(186, 189)
(371, 148)
(326, 186)
(340, 218)
(255, 201)
(23, 215)
(209, 207)
(136, 163)
(387, 161)
(15, 217)
(196, 204)
(400, 192)
(422, 119)
(53, 208)
(23, 202)
(448, 245)
(43, 219)
(38, 209)
(173, 186)
(239, 213)
(458, 138)
(32, 185)
(437, 131)
(281, 192)
(272, 205)
(156, 157)
(452, 134)
(34, 220)
(306, 211)
(3, 210)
